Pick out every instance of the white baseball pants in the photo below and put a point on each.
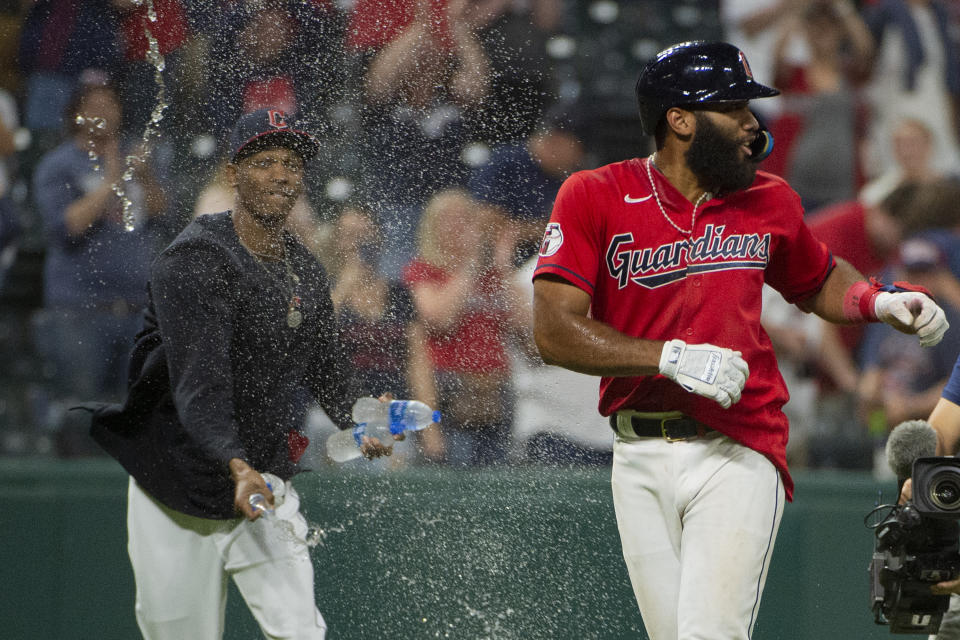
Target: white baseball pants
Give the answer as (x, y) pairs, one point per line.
(181, 564)
(697, 520)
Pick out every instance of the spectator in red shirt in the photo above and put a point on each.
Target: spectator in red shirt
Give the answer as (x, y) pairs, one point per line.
(457, 281)
(820, 98)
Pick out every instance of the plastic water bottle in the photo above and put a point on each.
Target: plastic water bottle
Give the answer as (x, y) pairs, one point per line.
(380, 420)
(259, 501)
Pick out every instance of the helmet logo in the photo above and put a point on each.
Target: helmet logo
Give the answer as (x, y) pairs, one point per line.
(746, 65)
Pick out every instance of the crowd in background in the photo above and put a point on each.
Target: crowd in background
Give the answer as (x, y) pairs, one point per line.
(447, 127)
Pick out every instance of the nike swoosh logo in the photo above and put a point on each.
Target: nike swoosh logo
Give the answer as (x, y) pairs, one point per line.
(629, 200)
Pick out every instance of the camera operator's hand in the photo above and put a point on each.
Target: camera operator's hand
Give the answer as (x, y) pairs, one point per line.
(946, 588)
(906, 493)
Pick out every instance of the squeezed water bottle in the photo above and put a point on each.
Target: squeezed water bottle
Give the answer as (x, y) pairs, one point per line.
(259, 501)
(380, 420)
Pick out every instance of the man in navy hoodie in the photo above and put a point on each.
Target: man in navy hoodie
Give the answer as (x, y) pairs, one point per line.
(239, 322)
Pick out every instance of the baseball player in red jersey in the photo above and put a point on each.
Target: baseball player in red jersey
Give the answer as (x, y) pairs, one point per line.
(650, 275)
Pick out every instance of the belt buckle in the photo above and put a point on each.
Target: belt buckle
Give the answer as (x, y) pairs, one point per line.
(668, 437)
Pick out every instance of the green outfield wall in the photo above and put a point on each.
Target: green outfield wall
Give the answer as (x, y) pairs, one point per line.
(517, 554)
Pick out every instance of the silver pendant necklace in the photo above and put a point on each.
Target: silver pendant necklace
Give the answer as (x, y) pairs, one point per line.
(656, 196)
(290, 283)
(294, 315)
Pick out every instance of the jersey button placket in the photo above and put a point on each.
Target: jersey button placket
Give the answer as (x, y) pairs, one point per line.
(691, 301)
(693, 292)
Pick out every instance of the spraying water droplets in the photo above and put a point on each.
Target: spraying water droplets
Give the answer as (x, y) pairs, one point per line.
(315, 535)
(150, 131)
(91, 123)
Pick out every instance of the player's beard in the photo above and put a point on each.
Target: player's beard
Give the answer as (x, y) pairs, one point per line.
(716, 161)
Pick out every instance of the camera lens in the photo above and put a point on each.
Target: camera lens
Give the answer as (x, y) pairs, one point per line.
(945, 492)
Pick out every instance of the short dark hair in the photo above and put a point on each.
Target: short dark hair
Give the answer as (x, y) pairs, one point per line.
(899, 202)
(935, 205)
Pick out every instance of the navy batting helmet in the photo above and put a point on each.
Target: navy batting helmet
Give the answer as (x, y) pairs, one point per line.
(692, 73)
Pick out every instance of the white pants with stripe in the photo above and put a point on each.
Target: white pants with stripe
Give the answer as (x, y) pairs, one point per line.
(181, 564)
(697, 520)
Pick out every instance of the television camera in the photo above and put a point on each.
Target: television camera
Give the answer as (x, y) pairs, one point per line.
(917, 544)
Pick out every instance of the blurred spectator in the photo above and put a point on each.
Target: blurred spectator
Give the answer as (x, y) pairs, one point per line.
(868, 238)
(10, 224)
(521, 180)
(513, 35)
(522, 79)
(417, 88)
(806, 349)
(458, 281)
(95, 271)
(912, 147)
(284, 54)
(11, 21)
(217, 194)
(555, 419)
(916, 74)
(820, 96)
(752, 25)
(380, 331)
(59, 39)
(901, 380)
(375, 313)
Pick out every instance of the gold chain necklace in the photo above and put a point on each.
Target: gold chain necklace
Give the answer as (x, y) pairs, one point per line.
(656, 196)
(290, 281)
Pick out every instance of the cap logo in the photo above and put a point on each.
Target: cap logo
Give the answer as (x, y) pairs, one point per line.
(746, 65)
(278, 119)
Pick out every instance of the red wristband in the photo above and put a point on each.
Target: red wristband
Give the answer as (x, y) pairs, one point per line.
(858, 302)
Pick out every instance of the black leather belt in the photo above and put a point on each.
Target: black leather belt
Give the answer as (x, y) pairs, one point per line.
(670, 429)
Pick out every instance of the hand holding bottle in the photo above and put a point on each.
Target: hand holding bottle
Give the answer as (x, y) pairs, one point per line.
(372, 446)
(248, 482)
(263, 505)
(375, 421)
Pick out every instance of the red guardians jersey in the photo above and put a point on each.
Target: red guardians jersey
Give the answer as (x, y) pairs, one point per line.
(698, 279)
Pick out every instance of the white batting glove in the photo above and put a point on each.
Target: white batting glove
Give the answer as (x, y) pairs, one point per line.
(912, 312)
(706, 370)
